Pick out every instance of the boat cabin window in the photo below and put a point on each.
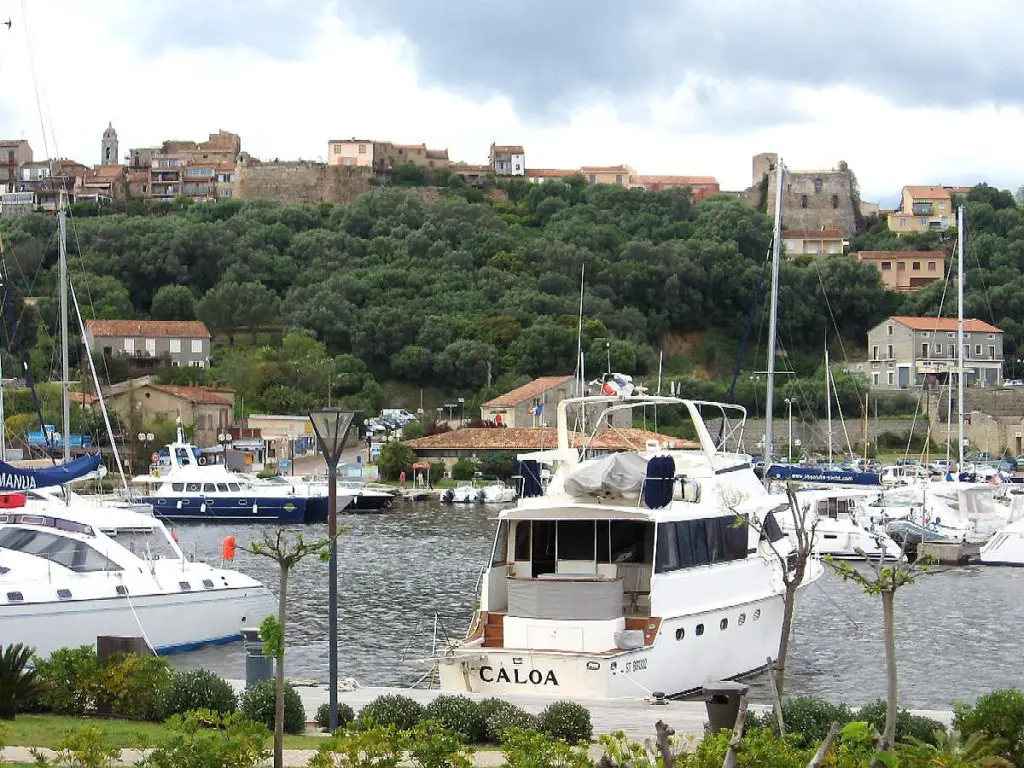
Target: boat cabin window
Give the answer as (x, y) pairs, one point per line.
(500, 556)
(182, 455)
(193, 487)
(833, 507)
(689, 543)
(71, 553)
(575, 546)
(178, 487)
(209, 488)
(222, 487)
(233, 486)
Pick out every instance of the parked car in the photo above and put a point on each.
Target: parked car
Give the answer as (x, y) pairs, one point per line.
(399, 416)
(940, 466)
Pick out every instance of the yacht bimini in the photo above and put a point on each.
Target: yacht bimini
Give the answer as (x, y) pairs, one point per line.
(69, 574)
(634, 572)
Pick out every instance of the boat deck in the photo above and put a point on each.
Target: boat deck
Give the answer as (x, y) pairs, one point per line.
(494, 630)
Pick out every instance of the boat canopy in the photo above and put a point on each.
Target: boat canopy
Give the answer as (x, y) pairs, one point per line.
(15, 479)
(818, 475)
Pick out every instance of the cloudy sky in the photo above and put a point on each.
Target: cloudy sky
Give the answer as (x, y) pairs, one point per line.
(911, 92)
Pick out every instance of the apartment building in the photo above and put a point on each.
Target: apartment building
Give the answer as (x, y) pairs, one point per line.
(507, 160)
(907, 352)
(14, 154)
(818, 243)
(923, 209)
(906, 271)
(182, 343)
(383, 157)
(621, 175)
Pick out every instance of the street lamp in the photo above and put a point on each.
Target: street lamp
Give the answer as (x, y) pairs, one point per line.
(224, 438)
(789, 455)
(330, 426)
(462, 410)
(145, 438)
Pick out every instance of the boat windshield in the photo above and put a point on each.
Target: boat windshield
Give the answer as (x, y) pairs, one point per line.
(72, 553)
(574, 546)
(143, 542)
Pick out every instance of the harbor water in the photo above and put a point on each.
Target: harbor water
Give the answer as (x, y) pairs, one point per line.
(957, 629)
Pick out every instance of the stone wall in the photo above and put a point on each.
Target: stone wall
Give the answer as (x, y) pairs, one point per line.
(813, 435)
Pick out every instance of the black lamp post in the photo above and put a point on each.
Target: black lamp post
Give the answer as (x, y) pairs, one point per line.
(330, 426)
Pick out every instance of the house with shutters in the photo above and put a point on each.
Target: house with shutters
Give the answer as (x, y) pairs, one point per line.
(148, 343)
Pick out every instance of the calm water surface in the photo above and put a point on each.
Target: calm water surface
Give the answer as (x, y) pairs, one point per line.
(958, 631)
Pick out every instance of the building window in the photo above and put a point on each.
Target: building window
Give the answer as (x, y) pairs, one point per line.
(942, 207)
(593, 179)
(901, 266)
(835, 202)
(518, 167)
(977, 350)
(916, 266)
(151, 347)
(938, 349)
(888, 330)
(618, 178)
(874, 379)
(967, 350)
(991, 335)
(991, 352)
(817, 186)
(175, 346)
(362, 149)
(924, 350)
(886, 266)
(197, 346)
(803, 201)
(924, 222)
(889, 352)
(903, 222)
(952, 350)
(346, 161)
(129, 346)
(931, 266)
(874, 352)
(889, 378)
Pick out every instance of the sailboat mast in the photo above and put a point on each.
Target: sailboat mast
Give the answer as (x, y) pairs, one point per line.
(773, 317)
(65, 373)
(828, 402)
(960, 258)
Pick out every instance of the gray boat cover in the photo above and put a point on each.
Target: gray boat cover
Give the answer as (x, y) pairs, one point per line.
(614, 473)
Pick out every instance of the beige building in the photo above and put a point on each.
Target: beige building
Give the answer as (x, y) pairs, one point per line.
(14, 153)
(540, 175)
(104, 182)
(906, 271)
(815, 199)
(182, 343)
(140, 401)
(283, 436)
(908, 352)
(384, 157)
(819, 243)
(622, 175)
(923, 209)
(700, 186)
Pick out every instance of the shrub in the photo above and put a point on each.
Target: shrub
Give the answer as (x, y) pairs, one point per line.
(199, 689)
(70, 678)
(18, 685)
(531, 749)
(394, 709)
(257, 703)
(431, 745)
(999, 715)
(372, 747)
(83, 748)
(811, 718)
(500, 716)
(463, 469)
(209, 739)
(135, 687)
(323, 716)
(908, 725)
(566, 720)
(459, 715)
(761, 747)
(438, 469)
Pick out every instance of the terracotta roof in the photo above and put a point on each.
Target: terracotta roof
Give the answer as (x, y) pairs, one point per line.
(469, 168)
(206, 395)
(153, 328)
(681, 180)
(943, 324)
(540, 438)
(409, 146)
(875, 255)
(550, 173)
(514, 149)
(535, 388)
(83, 398)
(927, 193)
(137, 176)
(108, 170)
(813, 234)
(606, 168)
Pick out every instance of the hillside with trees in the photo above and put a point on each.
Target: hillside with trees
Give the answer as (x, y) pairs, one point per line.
(306, 300)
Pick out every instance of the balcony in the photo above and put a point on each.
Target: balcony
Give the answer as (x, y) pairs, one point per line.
(925, 208)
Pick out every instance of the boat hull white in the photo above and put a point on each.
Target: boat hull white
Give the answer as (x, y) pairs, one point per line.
(214, 616)
(732, 643)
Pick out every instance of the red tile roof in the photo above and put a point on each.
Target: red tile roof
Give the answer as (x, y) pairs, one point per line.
(513, 149)
(943, 324)
(927, 193)
(83, 398)
(541, 438)
(687, 181)
(813, 234)
(876, 255)
(207, 395)
(606, 169)
(108, 170)
(550, 173)
(535, 388)
(152, 328)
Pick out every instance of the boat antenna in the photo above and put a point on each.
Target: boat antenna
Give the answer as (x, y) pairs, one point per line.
(960, 329)
(773, 317)
(580, 368)
(65, 369)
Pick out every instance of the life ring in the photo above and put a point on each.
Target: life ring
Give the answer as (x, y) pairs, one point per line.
(202, 461)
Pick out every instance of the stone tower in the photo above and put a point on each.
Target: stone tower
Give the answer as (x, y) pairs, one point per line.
(764, 164)
(108, 147)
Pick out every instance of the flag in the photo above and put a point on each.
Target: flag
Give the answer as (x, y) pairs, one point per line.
(618, 384)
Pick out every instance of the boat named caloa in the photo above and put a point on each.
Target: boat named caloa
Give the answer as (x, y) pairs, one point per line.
(185, 485)
(70, 573)
(634, 573)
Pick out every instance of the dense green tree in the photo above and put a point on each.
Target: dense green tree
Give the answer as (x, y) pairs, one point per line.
(230, 306)
(413, 362)
(174, 302)
(465, 364)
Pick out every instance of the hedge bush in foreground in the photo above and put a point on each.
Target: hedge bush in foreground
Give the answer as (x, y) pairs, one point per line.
(458, 714)
(322, 718)
(394, 709)
(257, 704)
(567, 720)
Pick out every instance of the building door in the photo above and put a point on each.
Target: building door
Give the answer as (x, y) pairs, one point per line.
(903, 377)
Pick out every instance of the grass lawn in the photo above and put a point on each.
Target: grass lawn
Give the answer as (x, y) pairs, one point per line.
(47, 730)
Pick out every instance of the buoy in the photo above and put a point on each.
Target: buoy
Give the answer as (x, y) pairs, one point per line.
(227, 548)
(174, 535)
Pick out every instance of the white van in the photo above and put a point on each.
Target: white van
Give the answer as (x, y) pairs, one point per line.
(399, 415)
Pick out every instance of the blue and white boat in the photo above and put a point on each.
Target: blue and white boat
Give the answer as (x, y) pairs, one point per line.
(186, 485)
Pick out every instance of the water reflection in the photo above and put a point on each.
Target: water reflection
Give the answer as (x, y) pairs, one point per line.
(956, 632)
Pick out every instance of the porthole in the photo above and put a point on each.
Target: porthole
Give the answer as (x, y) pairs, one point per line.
(15, 597)
(64, 594)
(723, 624)
(121, 589)
(742, 619)
(208, 583)
(184, 586)
(680, 633)
(757, 614)
(700, 630)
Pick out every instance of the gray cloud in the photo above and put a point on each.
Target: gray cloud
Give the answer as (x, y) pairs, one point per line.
(273, 27)
(547, 55)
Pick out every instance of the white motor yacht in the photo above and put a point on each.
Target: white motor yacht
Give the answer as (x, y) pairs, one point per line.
(71, 572)
(633, 573)
(842, 529)
(474, 492)
(1006, 547)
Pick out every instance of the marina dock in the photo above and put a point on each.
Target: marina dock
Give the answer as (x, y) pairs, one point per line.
(949, 552)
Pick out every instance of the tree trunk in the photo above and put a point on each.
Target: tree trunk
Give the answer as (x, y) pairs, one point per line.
(279, 681)
(787, 628)
(891, 698)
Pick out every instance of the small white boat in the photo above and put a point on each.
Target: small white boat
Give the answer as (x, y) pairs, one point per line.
(71, 572)
(842, 529)
(1006, 547)
(472, 492)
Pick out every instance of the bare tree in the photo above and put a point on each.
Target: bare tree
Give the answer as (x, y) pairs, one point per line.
(287, 550)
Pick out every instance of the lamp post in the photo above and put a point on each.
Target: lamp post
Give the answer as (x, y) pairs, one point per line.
(789, 453)
(330, 426)
(145, 438)
(462, 410)
(224, 438)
